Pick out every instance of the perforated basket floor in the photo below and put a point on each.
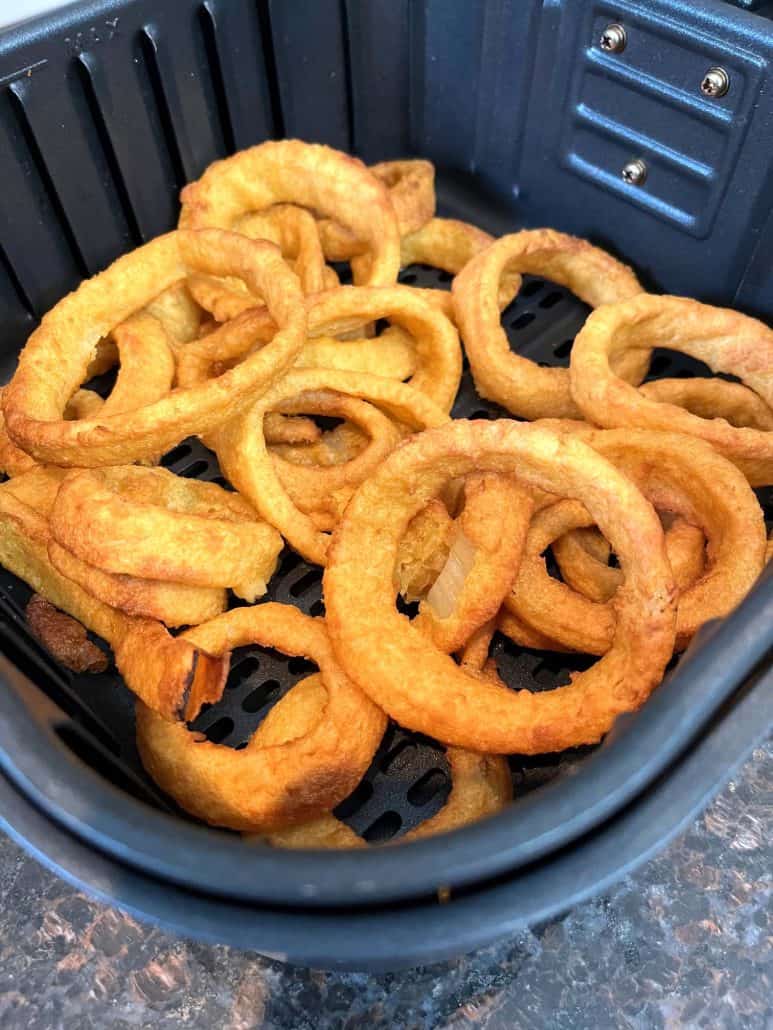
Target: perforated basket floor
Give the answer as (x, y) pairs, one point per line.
(408, 780)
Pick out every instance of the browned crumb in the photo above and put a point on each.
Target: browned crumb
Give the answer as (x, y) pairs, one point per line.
(64, 637)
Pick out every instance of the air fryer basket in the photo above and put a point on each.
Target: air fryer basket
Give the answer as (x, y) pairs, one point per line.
(106, 111)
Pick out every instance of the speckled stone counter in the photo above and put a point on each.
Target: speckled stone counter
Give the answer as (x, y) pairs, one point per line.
(686, 942)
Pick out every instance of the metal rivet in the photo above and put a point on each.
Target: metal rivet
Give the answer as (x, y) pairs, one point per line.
(613, 39)
(716, 82)
(635, 173)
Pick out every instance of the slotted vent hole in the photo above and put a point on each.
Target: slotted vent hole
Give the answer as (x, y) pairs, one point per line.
(384, 828)
(424, 790)
(195, 470)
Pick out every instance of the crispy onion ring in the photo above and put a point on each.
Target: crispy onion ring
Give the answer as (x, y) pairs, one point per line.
(448, 244)
(327, 489)
(438, 352)
(392, 354)
(174, 604)
(290, 429)
(424, 689)
(411, 186)
(725, 340)
(308, 174)
(171, 603)
(245, 460)
(523, 634)
(155, 525)
(57, 355)
(265, 786)
(145, 375)
(146, 365)
(678, 474)
(294, 231)
(171, 676)
(486, 547)
(516, 382)
(713, 398)
(595, 579)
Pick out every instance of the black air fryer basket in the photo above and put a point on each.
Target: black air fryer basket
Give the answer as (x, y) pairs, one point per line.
(106, 110)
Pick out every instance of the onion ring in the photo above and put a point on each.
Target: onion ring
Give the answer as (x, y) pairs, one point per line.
(675, 473)
(596, 580)
(146, 365)
(392, 354)
(725, 340)
(327, 489)
(713, 398)
(294, 231)
(411, 186)
(290, 429)
(479, 572)
(246, 462)
(516, 382)
(308, 174)
(56, 357)
(155, 525)
(261, 787)
(170, 675)
(145, 374)
(174, 604)
(439, 354)
(424, 689)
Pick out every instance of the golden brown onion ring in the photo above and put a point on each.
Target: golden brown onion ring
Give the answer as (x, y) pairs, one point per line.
(155, 525)
(725, 340)
(486, 547)
(438, 352)
(327, 489)
(514, 381)
(246, 462)
(411, 186)
(145, 374)
(713, 398)
(326, 181)
(146, 369)
(678, 474)
(596, 580)
(57, 355)
(261, 787)
(424, 689)
(294, 231)
(174, 604)
(170, 675)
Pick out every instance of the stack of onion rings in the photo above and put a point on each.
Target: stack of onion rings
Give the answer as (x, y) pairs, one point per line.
(333, 429)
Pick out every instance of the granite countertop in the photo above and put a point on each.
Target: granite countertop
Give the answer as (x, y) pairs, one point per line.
(685, 942)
